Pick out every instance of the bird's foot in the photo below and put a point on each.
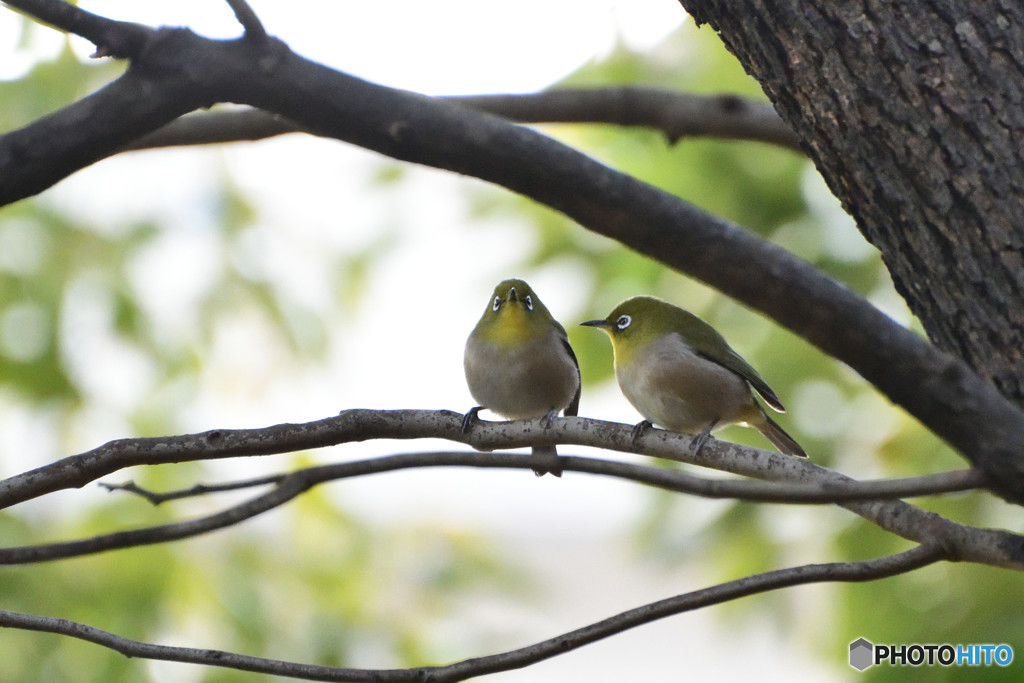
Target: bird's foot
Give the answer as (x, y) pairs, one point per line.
(469, 418)
(638, 429)
(702, 438)
(547, 452)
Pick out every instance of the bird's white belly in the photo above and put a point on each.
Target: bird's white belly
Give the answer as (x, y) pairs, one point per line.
(673, 387)
(524, 381)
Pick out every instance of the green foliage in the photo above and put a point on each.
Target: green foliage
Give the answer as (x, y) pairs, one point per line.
(50, 86)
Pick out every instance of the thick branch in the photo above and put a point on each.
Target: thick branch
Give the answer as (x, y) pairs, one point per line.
(962, 542)
(866, 570)
(181, 71)
(675, 114)
(111, 38)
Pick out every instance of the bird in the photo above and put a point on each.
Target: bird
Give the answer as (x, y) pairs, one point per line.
(519, 363)
(681, 374)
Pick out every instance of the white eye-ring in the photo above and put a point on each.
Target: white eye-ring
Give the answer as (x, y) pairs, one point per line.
(497, 303)
(623, 322)
(529, 302)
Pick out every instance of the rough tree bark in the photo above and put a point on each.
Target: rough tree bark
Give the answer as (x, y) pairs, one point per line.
(912, 112)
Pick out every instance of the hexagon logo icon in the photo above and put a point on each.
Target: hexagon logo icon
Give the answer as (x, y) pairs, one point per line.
(861, 654)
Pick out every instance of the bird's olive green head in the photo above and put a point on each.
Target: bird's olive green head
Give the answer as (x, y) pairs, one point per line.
(640, 320)
(514, 314)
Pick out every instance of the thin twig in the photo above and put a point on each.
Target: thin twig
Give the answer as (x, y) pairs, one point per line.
(671, 480)
(119, 39)
(247, 18)
(864, 570)
(676, 114)
(157, 498)
(291, 485)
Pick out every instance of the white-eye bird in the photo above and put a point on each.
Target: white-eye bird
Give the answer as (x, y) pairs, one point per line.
(519, 363)
(681, 374)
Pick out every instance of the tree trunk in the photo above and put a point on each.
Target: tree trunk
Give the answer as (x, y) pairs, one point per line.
(912, 111)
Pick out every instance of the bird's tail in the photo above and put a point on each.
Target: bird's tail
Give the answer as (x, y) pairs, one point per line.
(548, 453)
(779, 438)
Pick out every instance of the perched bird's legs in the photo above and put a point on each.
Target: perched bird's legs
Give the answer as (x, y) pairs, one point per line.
(638, 429)
(548, 452)
(469, 418)
(549, 417)
(699, 441)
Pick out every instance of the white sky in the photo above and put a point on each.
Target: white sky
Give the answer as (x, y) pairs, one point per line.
(444, 47)
(313, 193)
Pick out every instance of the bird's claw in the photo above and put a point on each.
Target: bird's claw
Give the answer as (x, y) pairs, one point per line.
(698, 442)
(638, 429)
(469, 418)
(702, 438)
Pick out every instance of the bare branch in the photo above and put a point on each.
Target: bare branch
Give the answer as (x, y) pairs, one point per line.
(192, 491)
(247, 18)
(285, 491)
(675, 114)
(359, 425)
(112, 38)
(865, 570)
(243, 124)
(670, 480)
(986, 546)
(293, 484)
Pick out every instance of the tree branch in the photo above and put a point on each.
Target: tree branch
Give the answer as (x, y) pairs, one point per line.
(179, 72)
(157, 498)
(675, 114)
(865, 570)
(673, 480)
(288, 486)
(247, 18)
(986, 546)
(112, 38)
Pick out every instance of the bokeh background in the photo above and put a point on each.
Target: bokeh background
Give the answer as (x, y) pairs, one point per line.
(245, 285)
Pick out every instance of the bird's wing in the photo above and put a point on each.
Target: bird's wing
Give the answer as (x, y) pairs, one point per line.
(574, 406)
(733, 361)
(706, 338)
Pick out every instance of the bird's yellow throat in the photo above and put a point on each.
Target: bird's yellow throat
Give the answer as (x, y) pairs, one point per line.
(512, 326)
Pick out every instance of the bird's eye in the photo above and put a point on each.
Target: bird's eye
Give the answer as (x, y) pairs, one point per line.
(529, 302)
(623, 322)
(497, 303)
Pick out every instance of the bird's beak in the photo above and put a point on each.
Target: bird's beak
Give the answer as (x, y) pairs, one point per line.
(512, 296)
(597, 323)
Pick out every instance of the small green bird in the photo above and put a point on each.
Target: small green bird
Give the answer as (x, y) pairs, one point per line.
(519, 363)
(681, 374)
